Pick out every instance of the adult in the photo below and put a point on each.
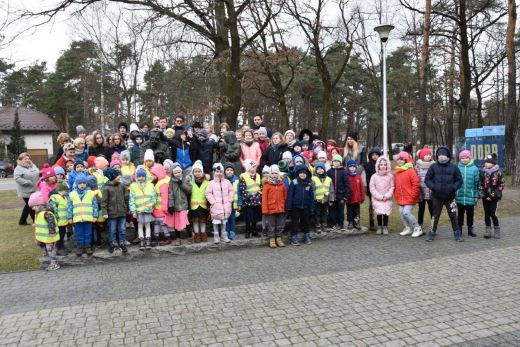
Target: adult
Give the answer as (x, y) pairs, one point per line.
(26, 174)
(274, 152)
(306, 135)
(156, 143)
(230, 151)
(179, 125)
(99, 148)
(163, 124)
(118, 145)
(62, 139)
(156, 121)
(81, 131)
(144, 127)
(353, 150)
(258, 120)
(123, 130)
(68, 155)
(290, 139)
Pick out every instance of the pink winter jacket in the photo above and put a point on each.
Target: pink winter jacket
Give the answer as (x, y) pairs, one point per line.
(382, 186)
(250, 152)
(45, 189)
(220, 195)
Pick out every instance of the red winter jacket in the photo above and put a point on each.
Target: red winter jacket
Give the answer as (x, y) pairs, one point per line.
(274, 197)
(357, 191)
(407, 187)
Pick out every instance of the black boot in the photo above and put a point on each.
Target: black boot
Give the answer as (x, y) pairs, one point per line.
(255, 233)
(248, 234)
(470, 232)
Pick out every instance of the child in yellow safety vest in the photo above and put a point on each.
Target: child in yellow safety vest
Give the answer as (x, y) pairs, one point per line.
(127, 167)
(250, 197)
(46, 230)
(142, 199)
(161, 207)
(199, 204)
(322, 186)
(99, 223)
(83, 212)
(59, 201)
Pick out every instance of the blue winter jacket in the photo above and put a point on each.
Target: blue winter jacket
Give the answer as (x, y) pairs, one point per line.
(301, 194)
(340, 183)
(467, 194)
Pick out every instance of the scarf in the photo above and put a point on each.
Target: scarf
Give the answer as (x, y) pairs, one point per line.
(291, 144)
(425, 165)
(78, 152)
(249, 143)
(403, 168)
(443, 162)
(275, 146)
(199, 181)
(351, 174)
(491, 170)
(274, 181)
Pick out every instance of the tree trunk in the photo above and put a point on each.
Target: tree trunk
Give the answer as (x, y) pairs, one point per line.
(480, 118)
(451, 97)
(511, 144)
(465, 72)
(325, 111)
(425, 54)
(284, 121)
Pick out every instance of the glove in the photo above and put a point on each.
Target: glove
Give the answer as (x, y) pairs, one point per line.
(171, 210)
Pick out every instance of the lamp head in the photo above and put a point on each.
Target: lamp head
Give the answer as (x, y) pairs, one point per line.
(384, 31)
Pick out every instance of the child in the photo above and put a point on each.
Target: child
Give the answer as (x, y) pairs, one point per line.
(266, 172)
(300, 203)
(161, 206)
(297, 148)
(423, 164)
(322, 185)
(220, 195)
(263, 140)
(99, 224)
(179, 190)
(406, 192)
(250, 148)
(491, 185)
(59, 201)
(46, 230)
(444, 179)
(60, 174)
(47, 182)
(370, 168)
(83, 212)
(467, 195)
(250, 197)
(229, 171)
(357, 196)
(199, 204)
(274, 152)
(184, 149)
(322, 158)
(340, 192)
(142, 200)
(79, 170)
(274, 197)
(148, 162)
(127, 167)
(381, 191)
(114, 207)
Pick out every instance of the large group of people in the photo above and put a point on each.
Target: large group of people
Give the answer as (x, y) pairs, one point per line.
(172, 180)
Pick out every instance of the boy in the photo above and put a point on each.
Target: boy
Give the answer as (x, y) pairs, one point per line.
(114, 207)
(444, 179)
(321, 196)
(300, 203)
(340, 192)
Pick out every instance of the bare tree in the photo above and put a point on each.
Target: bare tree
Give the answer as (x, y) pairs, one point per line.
(423, 81)
(512, 133)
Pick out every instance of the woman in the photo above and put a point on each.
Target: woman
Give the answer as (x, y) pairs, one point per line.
(62, 139)
(353, 150)
(118, 145)
(290, 139)
(26, 174)
(274, 152)
(80, 148)
(99, 148)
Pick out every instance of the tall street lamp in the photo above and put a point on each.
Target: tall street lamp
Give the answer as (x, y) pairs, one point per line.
(384, 31)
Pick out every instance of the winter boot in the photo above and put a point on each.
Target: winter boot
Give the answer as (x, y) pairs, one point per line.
(80, 250)
(272, 242)
(224, 237)
(255, 233)
(248, 234)
(470, 232)
(216, 237)
(155, 240)
(148, 243)
(373, 226)
(497, 232)
(458, 236)
(295, 240)
(417, 231)
(487, 233)
(406, 231)
(124, 249)
(307, 238)
(203, 236)
(111, 249)
(167, 240)
(196, 237)
(357, 225)
(350, 226)
(90, 250)
(279, 242)
(431, 236)
(385, 230)
(379, 230)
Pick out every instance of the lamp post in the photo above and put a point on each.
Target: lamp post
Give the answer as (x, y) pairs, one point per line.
(384, 31)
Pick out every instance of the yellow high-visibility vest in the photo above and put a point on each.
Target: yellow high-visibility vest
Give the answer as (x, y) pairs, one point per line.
(99, 195)
(158, 204)
(82, 210)
(198, 195)
(61, 209)
(41, 229)
(143, 197)
(322, 188)
(252, 187)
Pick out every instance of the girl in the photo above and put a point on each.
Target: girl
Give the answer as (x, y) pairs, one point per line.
(274, 152)
(273, 207)
(357, 196)
(118, 145)
(47, 182)
(83, 212)
(161, 206)
(179, 190)
(127, 167)
(467, 195)
(250, 197)
(423, 164)
(290, 139)
(250, 148)
(220, 195)
(58, 201)
(142, 200)
(46, 229)
(300, 202)
(406, 192)
(199, 204)
(322, 158)
(340, 191)
(233, 179)
(99, 148)
(370, 168)
(491, 185)
(381, 191)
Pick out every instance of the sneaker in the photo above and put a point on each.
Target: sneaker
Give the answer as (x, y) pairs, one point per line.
(406, 231)
(79, 251)
(216, 238)
(379, 230)
(53, 267)
(350, 226)
(295, 240)
(487, 233)
(124, 249)
(231, 235)
(385, 231)
(307, 238)
(471, 232)
(458, 236)
(111, 249)
(225, 239)
(90, 250)
(61, 252)
(431, 236)
(417, 231)
(141, 245)
(342, 227)
(148, 243)
(318, 229)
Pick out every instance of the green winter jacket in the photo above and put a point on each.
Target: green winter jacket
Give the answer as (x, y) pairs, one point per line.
(468, 193)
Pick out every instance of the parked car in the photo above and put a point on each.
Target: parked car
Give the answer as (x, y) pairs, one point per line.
(6, 169)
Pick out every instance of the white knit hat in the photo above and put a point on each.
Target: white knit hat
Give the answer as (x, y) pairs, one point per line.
(134, 127)
(322, 154)
(148, 155)
(286, 155)
(197, 165)
(275, 169)
(289, 132)
(249, 164)
(266, 169)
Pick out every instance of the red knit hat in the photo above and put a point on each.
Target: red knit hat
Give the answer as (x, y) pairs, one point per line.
(47, 171)
(90, 161)
(423, 152)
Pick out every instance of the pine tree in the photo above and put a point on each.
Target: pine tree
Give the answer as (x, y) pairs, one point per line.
(17, 144)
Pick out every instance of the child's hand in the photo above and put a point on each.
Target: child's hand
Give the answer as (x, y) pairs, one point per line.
(134, 215)
(71, 221)
(105, 216)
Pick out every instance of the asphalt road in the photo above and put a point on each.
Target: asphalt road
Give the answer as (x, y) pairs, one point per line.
(7, 184)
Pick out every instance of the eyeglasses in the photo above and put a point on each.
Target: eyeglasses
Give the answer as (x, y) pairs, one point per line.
(178, 121)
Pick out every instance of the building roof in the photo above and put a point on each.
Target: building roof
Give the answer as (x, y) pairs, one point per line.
(30, 120)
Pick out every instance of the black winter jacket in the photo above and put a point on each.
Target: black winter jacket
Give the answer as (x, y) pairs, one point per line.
(443, 179)
(272, 156)
(340, 184)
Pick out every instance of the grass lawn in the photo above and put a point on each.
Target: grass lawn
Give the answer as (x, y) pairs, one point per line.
(18, 241)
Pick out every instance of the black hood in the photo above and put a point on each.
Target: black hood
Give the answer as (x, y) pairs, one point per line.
(444, 148)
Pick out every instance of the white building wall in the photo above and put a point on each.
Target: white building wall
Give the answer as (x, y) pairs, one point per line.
(35, 141)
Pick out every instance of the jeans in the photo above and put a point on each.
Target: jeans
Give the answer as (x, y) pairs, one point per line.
(83, 233)
(407, 216)
(117, 225)
(231, 222)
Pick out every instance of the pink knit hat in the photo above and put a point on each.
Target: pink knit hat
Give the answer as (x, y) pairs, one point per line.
(403, 155)
(47, 171)
(115, 162)
(36, 199)
(101, 163)
(158, 171)
(465, 154)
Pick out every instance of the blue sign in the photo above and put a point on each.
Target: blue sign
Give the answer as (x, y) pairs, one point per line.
(481, 147)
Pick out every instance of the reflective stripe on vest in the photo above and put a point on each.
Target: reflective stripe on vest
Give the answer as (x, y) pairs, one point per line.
(41, 229)
(235, 199)
(252, 187)
(61, 209)
(322, 188)
(143, 197)
(158, 204)
(82, 210)
(198, 195)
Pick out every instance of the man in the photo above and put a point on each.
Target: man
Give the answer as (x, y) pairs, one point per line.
(163, 124)
(123, 131)
(156, 120)
(179, 125)
(259, 122)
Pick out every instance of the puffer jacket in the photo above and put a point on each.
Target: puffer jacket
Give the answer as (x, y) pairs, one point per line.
(443, 179)
(357, 191)
(422, 167)
(220, 195)
(301, 194)
(178, 194)
(370, 166)
(340, 188)
(382, 187)
(274, 197)
(207, 149)
(115, 200)
(26, 178)
(468, 194)
(406, 186)
(273, 155)
(251, 151)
